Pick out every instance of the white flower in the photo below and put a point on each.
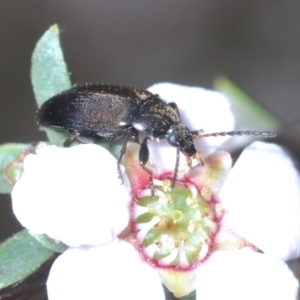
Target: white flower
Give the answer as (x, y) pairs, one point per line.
(245, 275)
(236, 274)
(113, 271)
(63, 193)
(262, 200)
(262, 194)
(109, 268)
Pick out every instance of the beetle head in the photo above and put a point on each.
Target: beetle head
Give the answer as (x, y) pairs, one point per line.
(181, 137)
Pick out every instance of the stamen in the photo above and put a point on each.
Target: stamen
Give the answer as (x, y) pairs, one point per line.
(206, 193)
(193, 190)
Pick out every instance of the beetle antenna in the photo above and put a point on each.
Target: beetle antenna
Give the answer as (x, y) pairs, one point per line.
(264, 134)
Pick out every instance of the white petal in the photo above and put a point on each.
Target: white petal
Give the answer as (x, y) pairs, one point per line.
(245, 275)
(163, 157)
(114, 271)
(199, 109)
(72, 194)
(262, 200)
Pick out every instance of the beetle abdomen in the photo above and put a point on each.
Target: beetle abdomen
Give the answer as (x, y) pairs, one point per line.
(89, 109)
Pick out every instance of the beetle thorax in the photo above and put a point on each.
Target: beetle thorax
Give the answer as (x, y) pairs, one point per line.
(155, 118)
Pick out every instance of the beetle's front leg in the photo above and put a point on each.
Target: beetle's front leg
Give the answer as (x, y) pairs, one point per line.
(68, 142)
(143, 159)
(131, 135)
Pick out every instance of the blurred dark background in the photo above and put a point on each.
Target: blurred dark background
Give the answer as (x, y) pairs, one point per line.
(138, 43)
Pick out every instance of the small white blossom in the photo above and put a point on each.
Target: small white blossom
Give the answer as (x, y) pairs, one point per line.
(245, 275)
(110, 272)
(73, 195)
(262, 200)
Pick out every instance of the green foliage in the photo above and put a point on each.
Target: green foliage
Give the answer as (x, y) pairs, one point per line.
(248, 113)
(51, 244)
(20, 256)
(11, 156)
(49, 74)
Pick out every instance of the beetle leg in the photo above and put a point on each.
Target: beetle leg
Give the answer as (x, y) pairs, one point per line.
(130, 135)
(84, 137)
(88, 138)
(122, 152)
(69, 140)
(143, 159)
(176, 168)
(133, 135)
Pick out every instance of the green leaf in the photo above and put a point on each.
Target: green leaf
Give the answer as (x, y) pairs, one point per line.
(53, 245)
(11, 167)
(49, 74)
(248, 113)
(20, 256)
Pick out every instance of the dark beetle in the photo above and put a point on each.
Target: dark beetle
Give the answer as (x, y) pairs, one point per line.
(94, 111)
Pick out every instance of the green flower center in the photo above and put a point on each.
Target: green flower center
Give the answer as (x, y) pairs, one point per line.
(176, 227)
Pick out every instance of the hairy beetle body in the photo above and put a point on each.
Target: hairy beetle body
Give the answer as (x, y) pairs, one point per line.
(94, 111)
(103, 110)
